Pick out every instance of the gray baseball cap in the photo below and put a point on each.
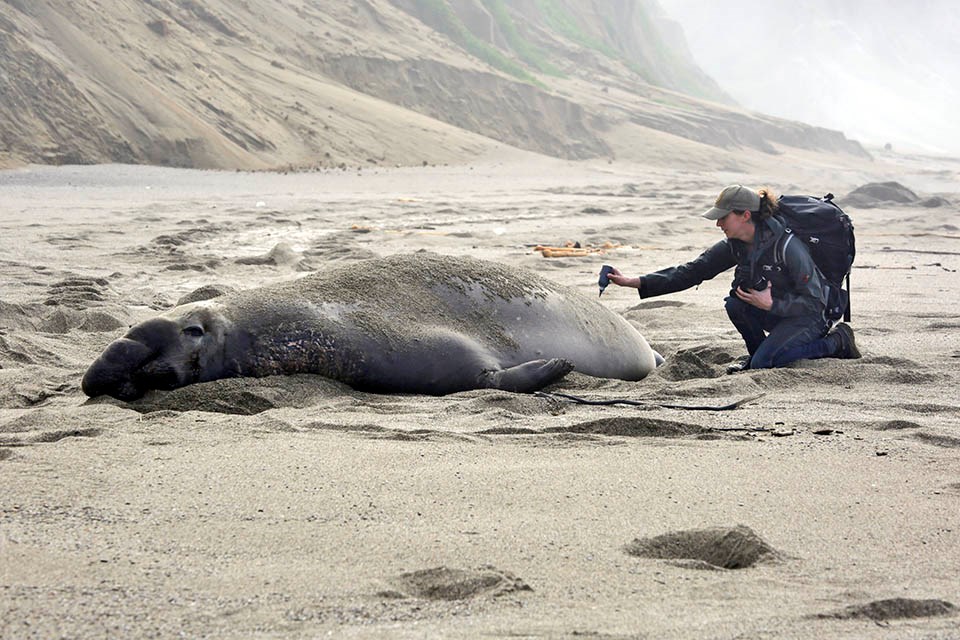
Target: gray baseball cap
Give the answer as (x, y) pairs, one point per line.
(736, 197)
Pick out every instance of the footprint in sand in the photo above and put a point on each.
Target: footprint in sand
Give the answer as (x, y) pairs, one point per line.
(25, 390)
(930, 408)
(443, 583)
(77, 292)
(635, 427)
(63, 319)
(46, 437)
(188, 266)
(938, 439)
(196, 234)
(894, 609)
(714, 548)
(895, 425)
(943, 326)
(13, 352)
(68, 241)
(337, 247)
(657, 304)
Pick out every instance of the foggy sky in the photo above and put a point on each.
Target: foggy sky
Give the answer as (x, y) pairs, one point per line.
(879, 70)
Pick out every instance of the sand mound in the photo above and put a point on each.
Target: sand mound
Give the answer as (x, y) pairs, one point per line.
(896, 609)
(486, 400)
(281, 255)
(704, 361)
(206, 292)
(443, 583)
(239, 396)
(725, 547)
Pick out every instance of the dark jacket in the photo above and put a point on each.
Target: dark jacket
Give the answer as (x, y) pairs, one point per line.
(777, 256)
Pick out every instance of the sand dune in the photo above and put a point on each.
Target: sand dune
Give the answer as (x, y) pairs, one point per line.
(278, 85)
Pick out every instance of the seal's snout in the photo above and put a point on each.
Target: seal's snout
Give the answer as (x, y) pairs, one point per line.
(112, 373)
(118, 372)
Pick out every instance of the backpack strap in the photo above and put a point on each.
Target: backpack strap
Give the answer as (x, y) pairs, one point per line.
(846, 312)
(781, 255)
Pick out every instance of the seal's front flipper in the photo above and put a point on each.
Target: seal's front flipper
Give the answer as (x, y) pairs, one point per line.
(527, 377)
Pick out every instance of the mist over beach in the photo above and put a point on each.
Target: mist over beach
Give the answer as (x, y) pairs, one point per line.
(165, 151)
(883, 73)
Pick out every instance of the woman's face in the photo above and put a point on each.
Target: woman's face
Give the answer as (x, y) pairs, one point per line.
(737, 226)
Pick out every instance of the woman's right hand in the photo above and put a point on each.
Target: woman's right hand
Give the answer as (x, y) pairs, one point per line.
(621, 280)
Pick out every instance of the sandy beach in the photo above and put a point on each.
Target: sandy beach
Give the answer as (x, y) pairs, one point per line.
(825, 505)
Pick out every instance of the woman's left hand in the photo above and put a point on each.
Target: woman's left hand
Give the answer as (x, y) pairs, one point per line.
(762, 299)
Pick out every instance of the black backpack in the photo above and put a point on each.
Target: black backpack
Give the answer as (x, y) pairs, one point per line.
(828, 233)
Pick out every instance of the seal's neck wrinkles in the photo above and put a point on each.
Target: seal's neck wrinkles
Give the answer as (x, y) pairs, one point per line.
(300, 344)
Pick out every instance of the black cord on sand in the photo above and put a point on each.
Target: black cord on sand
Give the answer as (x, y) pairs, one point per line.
(637, 403)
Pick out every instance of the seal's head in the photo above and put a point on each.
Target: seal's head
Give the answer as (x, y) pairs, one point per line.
(177, 349)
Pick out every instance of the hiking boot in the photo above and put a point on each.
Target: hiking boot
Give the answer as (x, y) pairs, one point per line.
(740, 364)
(848, 347)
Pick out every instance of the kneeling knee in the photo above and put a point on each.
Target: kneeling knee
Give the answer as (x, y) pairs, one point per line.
(761, 360)
(761, 364)
(735, 307)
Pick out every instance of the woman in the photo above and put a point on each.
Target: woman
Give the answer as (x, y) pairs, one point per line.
(777, 299)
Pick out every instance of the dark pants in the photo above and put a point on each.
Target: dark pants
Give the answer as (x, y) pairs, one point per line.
(773, 341)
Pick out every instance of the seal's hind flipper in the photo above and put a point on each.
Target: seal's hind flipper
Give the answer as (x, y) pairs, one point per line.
(527, 377)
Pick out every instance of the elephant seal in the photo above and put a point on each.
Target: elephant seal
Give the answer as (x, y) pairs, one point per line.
(414, 323)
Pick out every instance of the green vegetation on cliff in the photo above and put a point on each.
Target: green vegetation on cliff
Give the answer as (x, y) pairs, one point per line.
(527, 52)
(444, 20)
(561, 21)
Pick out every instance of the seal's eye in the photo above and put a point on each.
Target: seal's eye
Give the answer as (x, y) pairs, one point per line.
(194, 331)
